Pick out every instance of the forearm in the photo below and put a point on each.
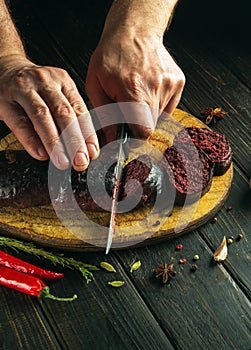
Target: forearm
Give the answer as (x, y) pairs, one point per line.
(149, 16)
(10, 42)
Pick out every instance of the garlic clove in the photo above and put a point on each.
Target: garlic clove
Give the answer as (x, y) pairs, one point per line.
(221, 252)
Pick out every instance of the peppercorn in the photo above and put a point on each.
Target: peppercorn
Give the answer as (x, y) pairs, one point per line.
(229, 241)
(194, 267)
(196, 257)
(214, 220)
(240, 236)
(229, 208)
(179, 247)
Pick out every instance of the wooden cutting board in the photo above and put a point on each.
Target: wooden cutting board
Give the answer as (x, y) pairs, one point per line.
(41, 224)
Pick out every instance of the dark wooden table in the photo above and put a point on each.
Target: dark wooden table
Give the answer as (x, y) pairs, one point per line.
(206, 309)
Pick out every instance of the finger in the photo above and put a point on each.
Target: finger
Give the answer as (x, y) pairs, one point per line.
(90, 136)
(84, 119)
(173, 103)
(67, 123)
(104, 109)
(139, 118)
(20, 125)
(43, 123)
(174, 96)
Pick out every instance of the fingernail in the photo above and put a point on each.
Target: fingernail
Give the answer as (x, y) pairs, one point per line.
(81, 159)
(62, 159)
(42, 152)
(92, 150)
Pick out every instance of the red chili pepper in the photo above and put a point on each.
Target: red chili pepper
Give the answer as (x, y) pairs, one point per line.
(27, 284)
(12, 262)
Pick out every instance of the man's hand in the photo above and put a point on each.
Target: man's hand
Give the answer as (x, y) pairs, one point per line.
(131, 64)
(37, 103)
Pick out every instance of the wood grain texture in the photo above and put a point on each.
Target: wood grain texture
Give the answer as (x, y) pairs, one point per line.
(232, 223)
(198, 310)
(207, 309)
(22, 324)
(104, 317)
(41, 224)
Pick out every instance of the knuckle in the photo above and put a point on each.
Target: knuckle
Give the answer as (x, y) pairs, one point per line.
(182, 80)
(79, 107)
(156, 82)
(41, 73)
(169, 79)
(39, 111)
(62, 110)
(19, 80)
(62, 72)
(135, 85)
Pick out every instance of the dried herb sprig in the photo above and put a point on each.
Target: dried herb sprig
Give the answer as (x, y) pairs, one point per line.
(60, 259)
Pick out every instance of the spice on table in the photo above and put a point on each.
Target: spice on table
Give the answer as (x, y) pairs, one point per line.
(135, 266)
(214, 219)
(196, 257)
(221, 252)
(239, 237)
(116, 283)
(194, 267)
(12, 262)
(212, 114)
(182, 261)
(107, 266)
(165, 272)
(230, 241)
(229, 207)
(27, 284)
(179, 246)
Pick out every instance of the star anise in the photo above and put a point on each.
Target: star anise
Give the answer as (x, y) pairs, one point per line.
(164, 272)
(211, 114)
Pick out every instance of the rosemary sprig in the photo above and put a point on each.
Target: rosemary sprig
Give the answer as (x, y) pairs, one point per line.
(30, 248)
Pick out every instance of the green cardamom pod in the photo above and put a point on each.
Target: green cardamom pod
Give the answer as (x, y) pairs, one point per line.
(116, 283)
(135, 266)
(108, 267)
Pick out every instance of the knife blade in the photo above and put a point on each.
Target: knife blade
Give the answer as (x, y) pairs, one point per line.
(122, 138)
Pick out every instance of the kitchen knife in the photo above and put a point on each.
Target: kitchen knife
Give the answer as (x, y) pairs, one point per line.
(122, 138)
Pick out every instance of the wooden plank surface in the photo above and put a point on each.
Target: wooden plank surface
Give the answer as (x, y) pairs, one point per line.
(206, 309)
(197, 309)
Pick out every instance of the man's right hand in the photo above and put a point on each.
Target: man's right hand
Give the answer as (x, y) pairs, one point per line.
(37, 103)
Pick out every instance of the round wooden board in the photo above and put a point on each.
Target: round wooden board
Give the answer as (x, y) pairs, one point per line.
(41, 225)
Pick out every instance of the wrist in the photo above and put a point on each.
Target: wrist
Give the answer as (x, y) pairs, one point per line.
(12, 61)
(143, 17)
